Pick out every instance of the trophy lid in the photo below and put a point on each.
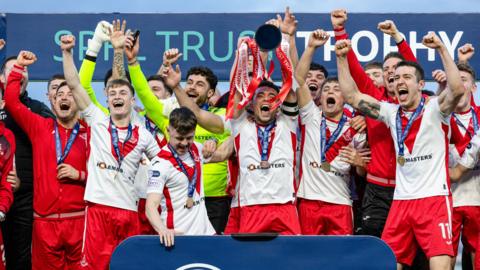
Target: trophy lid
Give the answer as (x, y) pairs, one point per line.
(268, 37)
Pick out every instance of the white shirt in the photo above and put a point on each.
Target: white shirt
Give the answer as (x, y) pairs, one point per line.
(315, 183)
(466, 192)
(166, 178)
(425, 172)
(107, 183)
(265, 186)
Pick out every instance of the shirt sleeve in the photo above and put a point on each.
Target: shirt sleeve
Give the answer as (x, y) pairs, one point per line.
(152, 148)
(445, 118)
(386, 112)
(92, 114)
(154, 107)
(235, 125)
(157, 176)
(308, 112)
(86, 75)
(6, 193)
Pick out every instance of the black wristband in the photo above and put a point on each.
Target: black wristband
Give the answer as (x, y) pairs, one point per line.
(91, 58)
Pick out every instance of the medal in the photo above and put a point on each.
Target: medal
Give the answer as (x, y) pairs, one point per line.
(326, 144)
(402, 133)
(68, 146)
(116, 142)
(264, 164)
(401, 160)
(192, 181)
(264, 143)
(325, 166)
(189, 202)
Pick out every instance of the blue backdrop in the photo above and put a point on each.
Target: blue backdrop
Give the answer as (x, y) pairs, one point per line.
(210, 39)
(283, 252)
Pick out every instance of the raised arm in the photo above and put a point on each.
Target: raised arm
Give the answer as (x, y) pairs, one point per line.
(87, 69)
(153, 106)
(288, 26)
(71, 75)
(317, 39)
(206, 119)
(23, 116)
(364, 103)
(117, 38)
(449, 98)
(388, 27)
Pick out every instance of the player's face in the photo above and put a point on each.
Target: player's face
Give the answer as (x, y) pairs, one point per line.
(470, 88)
(198, 89)
(314, 81)
(6, 73)
(407, 89)
(64, 105)
(158, 89)
(180, 142)
(262, 105)
(376, 75)
(120, 101)
(52, 89)
(389, 74)
(331, 99)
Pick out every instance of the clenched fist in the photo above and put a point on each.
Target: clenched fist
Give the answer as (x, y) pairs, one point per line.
(318, 38)
(26, 58)
(338, 18)
(431, 40)
(342, 47)
(67, 42)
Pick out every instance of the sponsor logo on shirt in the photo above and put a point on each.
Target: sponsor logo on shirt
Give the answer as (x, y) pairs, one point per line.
(316, 165)
(419, 158)
(102, 165)
(253, 167)
(197, 202)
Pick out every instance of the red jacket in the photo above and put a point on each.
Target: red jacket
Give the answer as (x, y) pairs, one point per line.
(50, 196)
(7, 153)
(382, 168)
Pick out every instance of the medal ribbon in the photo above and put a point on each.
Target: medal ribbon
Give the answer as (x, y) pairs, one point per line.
(58, 144)
(474, 121)
(263, 136)
(324, 144)
(192, 181)
(116, 142)
(402, 134)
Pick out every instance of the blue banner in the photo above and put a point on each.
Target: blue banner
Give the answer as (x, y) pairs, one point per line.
(282, 252)
(210, 39)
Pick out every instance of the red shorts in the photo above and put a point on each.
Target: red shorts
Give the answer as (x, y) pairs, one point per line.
(422, 222)
(277, 218)
(466, 220)
(105, 228)
(233, 223)
(323, 218)
(57, 242)
(145, 226)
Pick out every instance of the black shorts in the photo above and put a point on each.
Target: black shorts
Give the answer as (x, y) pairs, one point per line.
(375, 206)
(218, 209)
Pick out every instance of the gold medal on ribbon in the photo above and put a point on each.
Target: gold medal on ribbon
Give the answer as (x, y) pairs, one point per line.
(189, 203)
(401, 160)
(264, 164)
(325, 166)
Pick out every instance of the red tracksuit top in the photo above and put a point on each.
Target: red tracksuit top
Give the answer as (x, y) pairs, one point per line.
(383, 162)
(50, 195)
(7, 152)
